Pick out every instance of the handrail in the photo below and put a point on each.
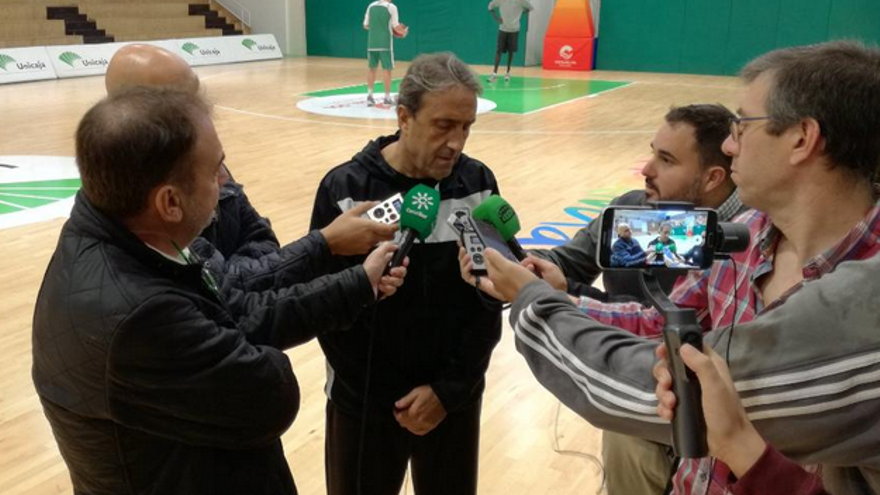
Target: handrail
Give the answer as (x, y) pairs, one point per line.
(243, 14)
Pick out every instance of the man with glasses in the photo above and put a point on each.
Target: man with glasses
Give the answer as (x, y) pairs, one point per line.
(805, 149)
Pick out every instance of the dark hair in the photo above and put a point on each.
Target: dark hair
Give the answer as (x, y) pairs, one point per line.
(711, 125)
(431, 73)
(134, 140)
(837, 84)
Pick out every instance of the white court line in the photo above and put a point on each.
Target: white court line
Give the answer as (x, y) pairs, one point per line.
(475, 131)
(4, 188)
(689, 85)
(527, 89)
(20, 207)
(302, 121)
(4, 194)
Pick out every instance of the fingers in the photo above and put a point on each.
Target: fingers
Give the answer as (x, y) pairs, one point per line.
(495, 261)
(389, 284)
(662, 374)
(386, 248)
(382, 231)
(700, 363)
(666, 402)
(540, 263)
(406, 401)
(464, 265)
(665, 396)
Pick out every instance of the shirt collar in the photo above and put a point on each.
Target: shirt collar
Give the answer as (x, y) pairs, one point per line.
(730, 207)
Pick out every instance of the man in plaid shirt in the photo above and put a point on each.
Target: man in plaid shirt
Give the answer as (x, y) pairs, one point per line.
(806, 148)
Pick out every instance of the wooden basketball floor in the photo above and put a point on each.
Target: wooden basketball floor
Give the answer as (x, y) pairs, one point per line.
(545, 162)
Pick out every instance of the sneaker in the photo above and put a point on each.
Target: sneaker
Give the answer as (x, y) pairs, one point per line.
(370, 101)
(507, 78)
(492, 78)
(388, 101)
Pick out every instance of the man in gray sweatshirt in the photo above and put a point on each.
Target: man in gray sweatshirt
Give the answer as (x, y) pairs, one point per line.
(808, 366)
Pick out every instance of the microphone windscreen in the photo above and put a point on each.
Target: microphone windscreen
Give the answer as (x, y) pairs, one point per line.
(421, 205)
(498, 212)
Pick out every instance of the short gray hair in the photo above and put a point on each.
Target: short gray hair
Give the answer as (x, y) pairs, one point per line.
(435, 73)
(836, 83)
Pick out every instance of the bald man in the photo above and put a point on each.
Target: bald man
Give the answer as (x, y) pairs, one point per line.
(148, 65)
(239, 243)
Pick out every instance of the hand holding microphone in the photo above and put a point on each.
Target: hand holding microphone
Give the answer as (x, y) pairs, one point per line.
(418, 215)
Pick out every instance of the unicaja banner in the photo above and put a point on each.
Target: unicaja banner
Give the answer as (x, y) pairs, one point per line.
(63, 61)
(253, 47)
(81, 60)
(570, 43)
(25, 64)
(200, 51)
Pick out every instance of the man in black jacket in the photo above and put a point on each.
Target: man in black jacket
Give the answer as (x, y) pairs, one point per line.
(408, 385)
(239, 243)
(155, 382)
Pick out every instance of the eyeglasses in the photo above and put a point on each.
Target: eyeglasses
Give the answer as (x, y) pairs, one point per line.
(737, 128)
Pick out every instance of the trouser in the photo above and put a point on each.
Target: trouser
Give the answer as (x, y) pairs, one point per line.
(444, 462)
(635, 466)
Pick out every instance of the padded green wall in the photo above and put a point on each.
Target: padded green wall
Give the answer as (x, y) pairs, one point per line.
(465, 27)
(719, 36)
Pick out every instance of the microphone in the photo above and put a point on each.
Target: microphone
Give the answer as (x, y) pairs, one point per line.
(418, 214)
(497, 212)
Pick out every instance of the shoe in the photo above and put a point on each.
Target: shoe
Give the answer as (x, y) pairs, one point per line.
(388, 101)
(507, 78)
(492, 78)
(370, 101)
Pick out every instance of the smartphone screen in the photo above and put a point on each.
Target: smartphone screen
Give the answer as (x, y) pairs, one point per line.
(644, 237)
(493, 239)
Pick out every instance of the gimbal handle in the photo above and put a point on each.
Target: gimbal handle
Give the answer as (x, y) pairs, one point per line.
(681, 327)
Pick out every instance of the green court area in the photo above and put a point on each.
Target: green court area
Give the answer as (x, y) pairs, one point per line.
(520, 95)
(18, 196)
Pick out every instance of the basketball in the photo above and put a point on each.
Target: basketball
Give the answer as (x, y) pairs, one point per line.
(401, 30)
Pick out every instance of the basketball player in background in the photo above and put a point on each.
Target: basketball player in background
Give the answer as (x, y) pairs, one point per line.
(380, 22)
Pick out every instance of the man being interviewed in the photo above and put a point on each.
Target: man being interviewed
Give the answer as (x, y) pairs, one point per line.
(406, 384)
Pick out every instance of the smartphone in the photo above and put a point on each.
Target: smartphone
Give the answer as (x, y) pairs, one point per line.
(387, 211)
(639, 237)
(476, 236)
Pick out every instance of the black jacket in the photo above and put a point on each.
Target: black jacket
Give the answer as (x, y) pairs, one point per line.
(241, 250)
(435, 330)
(154, 385)
(238, 230)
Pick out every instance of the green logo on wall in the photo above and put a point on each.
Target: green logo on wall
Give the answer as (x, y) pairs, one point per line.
(4, 60)
(249, 43)
(190, 47)
(69, 58)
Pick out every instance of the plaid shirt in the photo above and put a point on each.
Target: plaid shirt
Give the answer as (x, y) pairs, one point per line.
(729, 290)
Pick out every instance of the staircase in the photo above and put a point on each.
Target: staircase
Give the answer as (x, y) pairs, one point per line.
(78, 24)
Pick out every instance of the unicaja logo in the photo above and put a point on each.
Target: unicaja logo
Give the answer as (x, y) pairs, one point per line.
(422, 200)
(566, 52)
(5, 60)
(69, 58)
(251, 45)
(189, 47)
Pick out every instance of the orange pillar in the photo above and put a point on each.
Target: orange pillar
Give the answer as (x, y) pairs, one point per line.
(570, 41)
